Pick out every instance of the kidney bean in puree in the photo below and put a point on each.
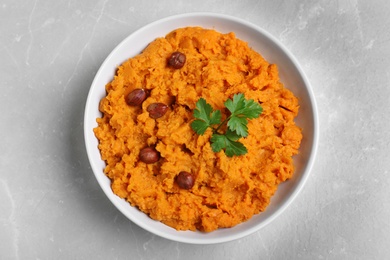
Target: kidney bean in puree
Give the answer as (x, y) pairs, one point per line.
(226, 190)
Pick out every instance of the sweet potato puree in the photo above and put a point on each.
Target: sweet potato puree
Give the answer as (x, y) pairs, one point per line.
(227, 190)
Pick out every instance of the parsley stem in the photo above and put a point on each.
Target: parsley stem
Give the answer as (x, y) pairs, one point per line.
(221, 124)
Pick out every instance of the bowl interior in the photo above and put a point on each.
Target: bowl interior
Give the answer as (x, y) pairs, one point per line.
(291, 76)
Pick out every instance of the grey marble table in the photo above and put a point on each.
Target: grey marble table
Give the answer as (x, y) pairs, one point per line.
(51, 206)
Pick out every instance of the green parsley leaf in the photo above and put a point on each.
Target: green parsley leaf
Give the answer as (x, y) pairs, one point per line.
(241, 110)
(206, 117)
(238, 124)
(219, 142)
(252, 109)
(235, 104)
(199, 126)
(233, 136)
(203, 110)
(235, 148)
(215, 117)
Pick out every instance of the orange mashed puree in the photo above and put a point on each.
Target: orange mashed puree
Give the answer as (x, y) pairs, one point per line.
(227, 190)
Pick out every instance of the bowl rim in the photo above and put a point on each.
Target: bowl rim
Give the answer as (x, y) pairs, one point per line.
(306, 172)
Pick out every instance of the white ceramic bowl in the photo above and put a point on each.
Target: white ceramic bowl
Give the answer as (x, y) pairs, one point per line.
(291, 75)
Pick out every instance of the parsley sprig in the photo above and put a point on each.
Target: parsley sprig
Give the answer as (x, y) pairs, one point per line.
(240, 109)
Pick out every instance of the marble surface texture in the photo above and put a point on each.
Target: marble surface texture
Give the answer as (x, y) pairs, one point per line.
(51, 206)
